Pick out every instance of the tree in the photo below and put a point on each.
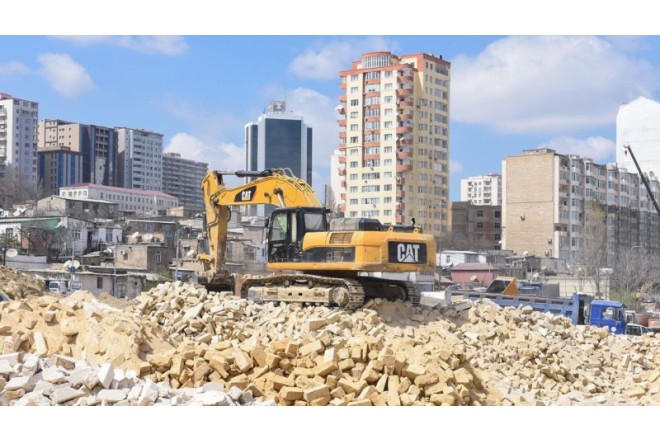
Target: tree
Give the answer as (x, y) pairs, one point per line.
(593, 252)
(635, 270)
(16, 187)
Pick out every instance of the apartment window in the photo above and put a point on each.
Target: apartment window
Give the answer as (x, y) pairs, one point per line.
(158, 257)
(480, 213)
(355, 102)
(99, 283)
(353, 164)
(354, 89)
(497, 214)
(354, 127)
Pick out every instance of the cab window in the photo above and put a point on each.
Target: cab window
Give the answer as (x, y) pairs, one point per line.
(279, 226)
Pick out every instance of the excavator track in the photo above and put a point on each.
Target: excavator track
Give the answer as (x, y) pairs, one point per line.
(356, 295)
(359, 289)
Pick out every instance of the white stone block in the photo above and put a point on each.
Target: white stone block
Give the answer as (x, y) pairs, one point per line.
(105, 374)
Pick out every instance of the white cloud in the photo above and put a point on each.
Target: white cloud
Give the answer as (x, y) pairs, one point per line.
(219, 155)
(65, 75)
(161, 44)
(324, 62)
(455, 167)
(596, 147)
(552, 84)
(14, 67)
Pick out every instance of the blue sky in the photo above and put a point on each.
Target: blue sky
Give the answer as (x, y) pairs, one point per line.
(508, 93)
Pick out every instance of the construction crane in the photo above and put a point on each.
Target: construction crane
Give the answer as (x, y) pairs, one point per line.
(643, 176)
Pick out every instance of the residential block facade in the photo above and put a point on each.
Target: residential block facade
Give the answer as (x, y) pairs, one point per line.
(182, 178)
(18, 137)
(394, 139)
(477, 223)
(482, 190)
(547, 196)
(140, 154)
(97, 146)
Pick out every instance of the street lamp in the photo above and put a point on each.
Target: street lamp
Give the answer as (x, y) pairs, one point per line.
(628, 267)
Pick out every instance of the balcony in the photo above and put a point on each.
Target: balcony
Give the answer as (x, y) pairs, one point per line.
(372, 81)
(402, 91)
(400, 219)
(342, 123)
(403, 130)
(404, 78)
(342, 99)
(372, 94)
(403, 168)
(342, 159)
(400, 193)
(404, 153)
(404, 117)
(342, 134)
(342, 85)
(405, 103)
(342, 171)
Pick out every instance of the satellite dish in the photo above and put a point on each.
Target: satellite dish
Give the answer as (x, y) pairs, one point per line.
(147, 237)
(525, 253)
(67, 264)
(71, 263)
(76, 264)
(12, 252)
(190, 253)
(473, 278)
(135, 235)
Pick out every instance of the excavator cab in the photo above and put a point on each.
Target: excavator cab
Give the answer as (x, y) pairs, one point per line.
(288, 226)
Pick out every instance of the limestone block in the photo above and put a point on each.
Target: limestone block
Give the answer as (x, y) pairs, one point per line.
(280, 381)
(41, 348)
(26, 383)
(112, 395)
(65, 394)
(316, 392)
(310, 348)
(291, 393)
(106, 374)
(413, 371)
(361, 402)
(326, 368)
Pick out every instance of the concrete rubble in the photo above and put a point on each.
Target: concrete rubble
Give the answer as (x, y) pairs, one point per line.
(179, 337)
(30, 380)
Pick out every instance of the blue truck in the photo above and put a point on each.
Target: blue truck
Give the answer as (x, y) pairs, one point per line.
(582, 309)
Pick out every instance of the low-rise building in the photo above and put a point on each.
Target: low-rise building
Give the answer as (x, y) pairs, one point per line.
(477, 223)
(80, 208)
(131, 201)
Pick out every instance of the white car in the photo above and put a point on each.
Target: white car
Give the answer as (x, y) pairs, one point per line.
(636, 330)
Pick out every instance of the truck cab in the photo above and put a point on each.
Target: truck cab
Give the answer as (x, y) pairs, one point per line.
(608, 313)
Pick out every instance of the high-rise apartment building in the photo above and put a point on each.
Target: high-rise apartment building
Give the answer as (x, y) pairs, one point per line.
(18, 137)
(182, 178)
(638, 125)
(279, 140)
(547, 197)
(140, 154)
(58, 165)
(482, 190)
(96, 144)
(394, 139)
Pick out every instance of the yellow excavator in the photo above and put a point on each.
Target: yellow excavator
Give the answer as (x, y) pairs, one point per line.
(313, 260)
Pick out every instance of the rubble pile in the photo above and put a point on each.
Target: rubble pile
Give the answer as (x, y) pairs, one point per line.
(18, 285)
(396, 354)
(528, 357)
(183, 338)
(78, 326)
(30, 380)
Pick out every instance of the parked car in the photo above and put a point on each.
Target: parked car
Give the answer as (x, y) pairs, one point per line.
(636, 330)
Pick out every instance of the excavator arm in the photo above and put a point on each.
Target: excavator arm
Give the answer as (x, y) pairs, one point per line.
(273, 186)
